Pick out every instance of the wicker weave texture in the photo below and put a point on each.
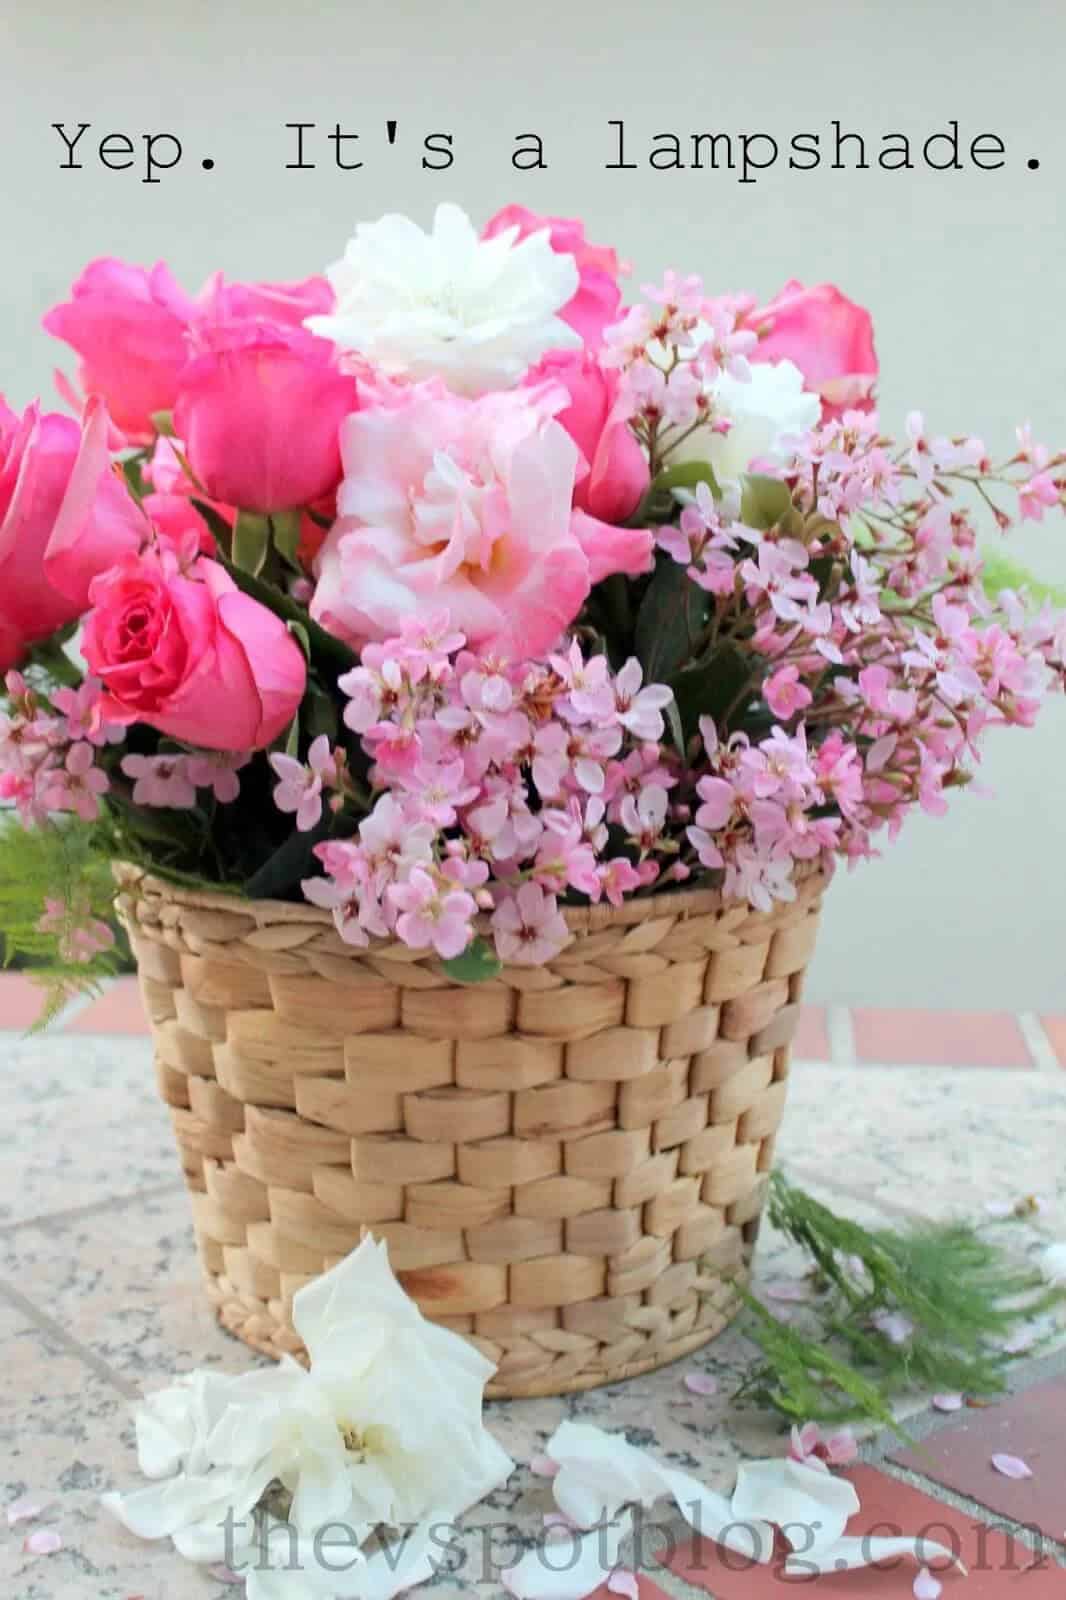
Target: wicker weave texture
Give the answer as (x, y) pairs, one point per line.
(568, 1162)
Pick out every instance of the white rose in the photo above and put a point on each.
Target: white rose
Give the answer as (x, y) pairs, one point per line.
(475, 312)
(764, 412)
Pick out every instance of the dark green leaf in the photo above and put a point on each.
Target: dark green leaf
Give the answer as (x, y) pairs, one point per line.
(218, 525)
(132, 471)
(286, 529)
(300, 634)
(281, 872)
(672, 614)
(251, 542)
(660, 504)
(292, 738)
(477, 963)
(764, 502)
(710, 688)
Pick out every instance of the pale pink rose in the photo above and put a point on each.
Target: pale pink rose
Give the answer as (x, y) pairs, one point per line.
(259, 410)
(128, 326)
(190, 655)
(827, 336)
(614, 473)
(598, 297)
(65, 515)
(463, 506)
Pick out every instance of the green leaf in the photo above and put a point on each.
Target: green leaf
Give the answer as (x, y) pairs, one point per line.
(660, 504)
(672, 613)
(477, 964)
(281, 872)
(218, 525)
(292, 738)
(251, 542)
(132, 471)
(302, 637)
(286, 529)
(710, 688)
(764, 502)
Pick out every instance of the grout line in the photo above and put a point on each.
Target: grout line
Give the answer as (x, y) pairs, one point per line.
(75, 1213)
(1040, 1046)
(841, 1036)
(74, 1347)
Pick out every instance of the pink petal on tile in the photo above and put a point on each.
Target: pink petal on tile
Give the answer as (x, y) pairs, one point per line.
(1011, 1466)
(788, 1289)
(948, 1402)
(222, 1574)
(27, 1508)
(623, 1582)
(700, 1383)
(1020, 1340)
(926, 1587)
(42, 1542)
(543, 1466)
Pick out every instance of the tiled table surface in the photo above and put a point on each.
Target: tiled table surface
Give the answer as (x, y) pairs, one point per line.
(99, 1297)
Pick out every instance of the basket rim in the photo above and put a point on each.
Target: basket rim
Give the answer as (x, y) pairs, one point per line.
(579, 919)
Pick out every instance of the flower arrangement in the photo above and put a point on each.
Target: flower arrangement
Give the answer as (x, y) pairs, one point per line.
(446, 590)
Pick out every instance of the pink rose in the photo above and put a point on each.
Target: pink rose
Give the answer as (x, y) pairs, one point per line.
(128, 325)
(259, 412)
(189, 654)
(598, 298)
(465, 506)
(65, 515)
(615, 473)
(287, 303)
(828, 337)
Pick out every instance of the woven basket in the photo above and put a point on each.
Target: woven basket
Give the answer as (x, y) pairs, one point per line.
(568, 1162)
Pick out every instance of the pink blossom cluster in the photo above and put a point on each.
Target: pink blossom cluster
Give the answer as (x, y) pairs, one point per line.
(78, 934)
(49, 751)
(502, 787)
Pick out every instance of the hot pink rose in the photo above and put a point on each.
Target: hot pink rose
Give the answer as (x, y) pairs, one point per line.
(828, 337)
(287, 303)
(259, 411)
(465, 506)
(65, 515)
(615, 473)
(598, 298)
(128, 325)
(189, 654)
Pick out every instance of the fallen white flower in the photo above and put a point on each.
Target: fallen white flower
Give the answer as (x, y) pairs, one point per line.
(599, 1474)
(385, 1427)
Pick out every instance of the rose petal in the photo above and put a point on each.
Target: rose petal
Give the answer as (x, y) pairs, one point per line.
(700, 1383)
(623, 1582)
(223, 1574)
(795, 1290)
(848, 1555)
(42, 1542)
(595, 1555)
(948, 1402)
(543, 1466)
(1012, 1466)
(792, 1494)
(926, 1587)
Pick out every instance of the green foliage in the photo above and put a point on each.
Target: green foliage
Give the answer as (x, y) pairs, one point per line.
(672, 614)
(961, 1294)
(477, 964)
(764, 502)
(68, 862)
(1000, 573)
(660, 502)
(251, 542)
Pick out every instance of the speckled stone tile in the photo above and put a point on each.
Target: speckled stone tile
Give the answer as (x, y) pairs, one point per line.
(935, 1141)
(65, 1140)
(66, 1437)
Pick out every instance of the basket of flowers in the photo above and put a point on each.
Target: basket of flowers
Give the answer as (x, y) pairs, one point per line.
(462, 685)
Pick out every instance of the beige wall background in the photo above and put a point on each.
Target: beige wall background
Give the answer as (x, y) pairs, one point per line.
(963, 270)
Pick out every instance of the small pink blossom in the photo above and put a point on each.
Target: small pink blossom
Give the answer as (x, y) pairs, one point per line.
(300, 786)
(217, 770)
(1012, 1466)
(160, 781)
(431, 915)
(529, 928)
(808, 1445)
